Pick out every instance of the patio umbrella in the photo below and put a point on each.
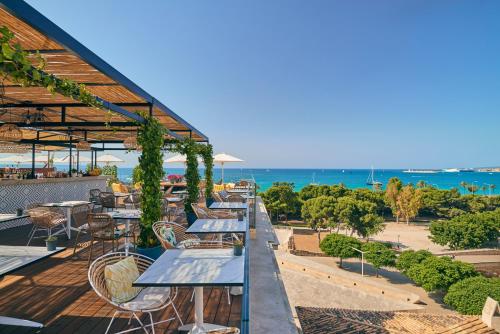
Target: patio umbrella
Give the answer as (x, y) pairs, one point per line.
(181, 158)
(108, 158)
(222, 158)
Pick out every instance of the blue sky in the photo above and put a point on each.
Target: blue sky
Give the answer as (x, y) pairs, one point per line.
(327, 84)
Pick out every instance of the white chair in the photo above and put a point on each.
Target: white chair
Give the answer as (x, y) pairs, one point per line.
(149, 300)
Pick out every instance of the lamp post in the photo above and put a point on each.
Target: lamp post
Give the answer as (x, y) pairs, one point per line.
(362, 260)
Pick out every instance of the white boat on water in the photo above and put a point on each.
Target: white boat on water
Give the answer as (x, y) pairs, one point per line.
(451, 170)
(420, 171)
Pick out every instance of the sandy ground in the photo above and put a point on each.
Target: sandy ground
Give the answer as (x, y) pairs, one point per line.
(409, 236)
(433, 303)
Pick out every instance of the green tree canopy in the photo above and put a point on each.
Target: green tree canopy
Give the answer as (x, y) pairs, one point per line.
(280, 198)
(409, 202)
(340, 246)
(409, 258)
(320, 211)
(379, 255)
(439, 273)
(359, 216)
(391, 195)
(467, 231)
(469, 295)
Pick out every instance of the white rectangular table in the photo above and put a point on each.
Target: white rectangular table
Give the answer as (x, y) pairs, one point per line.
(127, 215)
(238, 191)
(68, 205)
(7, 217)
(221, 226)
(13, 258)
(229, 206)
(196, 268)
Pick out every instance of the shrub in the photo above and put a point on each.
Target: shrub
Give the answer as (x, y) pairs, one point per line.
(409, 258)
(469, 295)
(340, 246)
(280, 198)
(379, 255)
(439, 273)
(466, 231)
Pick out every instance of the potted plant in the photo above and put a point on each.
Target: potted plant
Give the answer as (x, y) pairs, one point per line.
(19, 212)
(151, 138)
(238, 248)
(51, 243)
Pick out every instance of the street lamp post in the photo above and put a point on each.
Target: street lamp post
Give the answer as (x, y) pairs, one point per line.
(362, 260)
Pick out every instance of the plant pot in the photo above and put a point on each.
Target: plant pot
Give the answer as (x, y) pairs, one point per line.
(152, 252)
(209, 202)
(51, 245)
(238, 250)
(19, 212)
(191, 218)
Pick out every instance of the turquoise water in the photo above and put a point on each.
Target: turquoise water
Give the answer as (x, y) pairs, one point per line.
(352, 178)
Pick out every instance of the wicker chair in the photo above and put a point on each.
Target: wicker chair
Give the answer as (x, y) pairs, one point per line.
(235, 198)
(108, 200)
(149, 300)
(79, 219)
(46, 219)
(133, 201)
(179, 232)
(205, 213)
(101, 227)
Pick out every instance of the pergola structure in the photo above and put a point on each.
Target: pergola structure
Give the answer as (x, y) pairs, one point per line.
(53, 121)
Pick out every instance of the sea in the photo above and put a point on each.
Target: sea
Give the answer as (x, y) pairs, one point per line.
(352, 178)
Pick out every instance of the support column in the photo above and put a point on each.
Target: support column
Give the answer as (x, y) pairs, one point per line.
(70, 155)
(33, 161)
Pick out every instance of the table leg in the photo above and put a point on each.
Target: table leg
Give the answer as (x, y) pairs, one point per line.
(68, 219)
(127, 231)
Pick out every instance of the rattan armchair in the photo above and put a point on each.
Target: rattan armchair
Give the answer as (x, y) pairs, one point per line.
(101, 227)
(95, 199)
(79, 218)
(179, 231)
(202, 212)
(46, 219)
(149, 300)
(108, 200)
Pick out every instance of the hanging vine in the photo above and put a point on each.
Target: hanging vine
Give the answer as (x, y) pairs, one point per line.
(150, 136)
(206, 153)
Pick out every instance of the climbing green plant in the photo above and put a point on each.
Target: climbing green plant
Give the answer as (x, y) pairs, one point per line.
(150, 136)
(26, 69)
(189, 148)
(206, 153)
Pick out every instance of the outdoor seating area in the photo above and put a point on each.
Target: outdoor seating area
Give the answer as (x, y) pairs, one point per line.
(172, 293)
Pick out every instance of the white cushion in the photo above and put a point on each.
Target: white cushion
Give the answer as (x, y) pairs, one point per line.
(148, 298)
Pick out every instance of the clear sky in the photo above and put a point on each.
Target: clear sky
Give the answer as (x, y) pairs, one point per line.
(327, 84)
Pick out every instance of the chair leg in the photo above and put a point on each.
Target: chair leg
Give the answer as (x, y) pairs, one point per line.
(76, 243)
(90, 251)
(102, 246)
(177, 313)
(228, 295)
(111, 322)
(140, 322)
(152, 323)
(35, 228)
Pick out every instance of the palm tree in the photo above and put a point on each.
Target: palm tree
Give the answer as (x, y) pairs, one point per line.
(492, 188)
(484, 187)
(464, 185)
(421, 184)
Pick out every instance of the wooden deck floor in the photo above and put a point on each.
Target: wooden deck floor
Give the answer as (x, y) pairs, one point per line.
(56, 292)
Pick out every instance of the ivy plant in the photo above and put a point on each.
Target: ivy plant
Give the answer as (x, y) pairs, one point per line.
(151, 137)
(206, 153)
(17, 64)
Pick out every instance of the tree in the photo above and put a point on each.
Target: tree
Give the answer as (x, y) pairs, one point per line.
(354, 214)
(472, 188)
(492, 188)
(469, 295)
(410, 258)
(379, 255)
(409, 202)
(439, 273)
(280, 198)
(391, 195)
(340, 246)
(320, 212)
(421, 184)
(464, 185)
(466, 231)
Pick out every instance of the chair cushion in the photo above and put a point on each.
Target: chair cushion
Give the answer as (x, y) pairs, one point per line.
(119, 278)
(123, 188)
(116, 187)
(168, 235)
(148, 298)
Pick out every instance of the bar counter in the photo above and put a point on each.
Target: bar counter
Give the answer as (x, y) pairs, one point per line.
(15, 193)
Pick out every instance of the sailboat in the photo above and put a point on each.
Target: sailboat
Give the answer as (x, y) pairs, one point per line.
(313, 183)
(371, 179)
